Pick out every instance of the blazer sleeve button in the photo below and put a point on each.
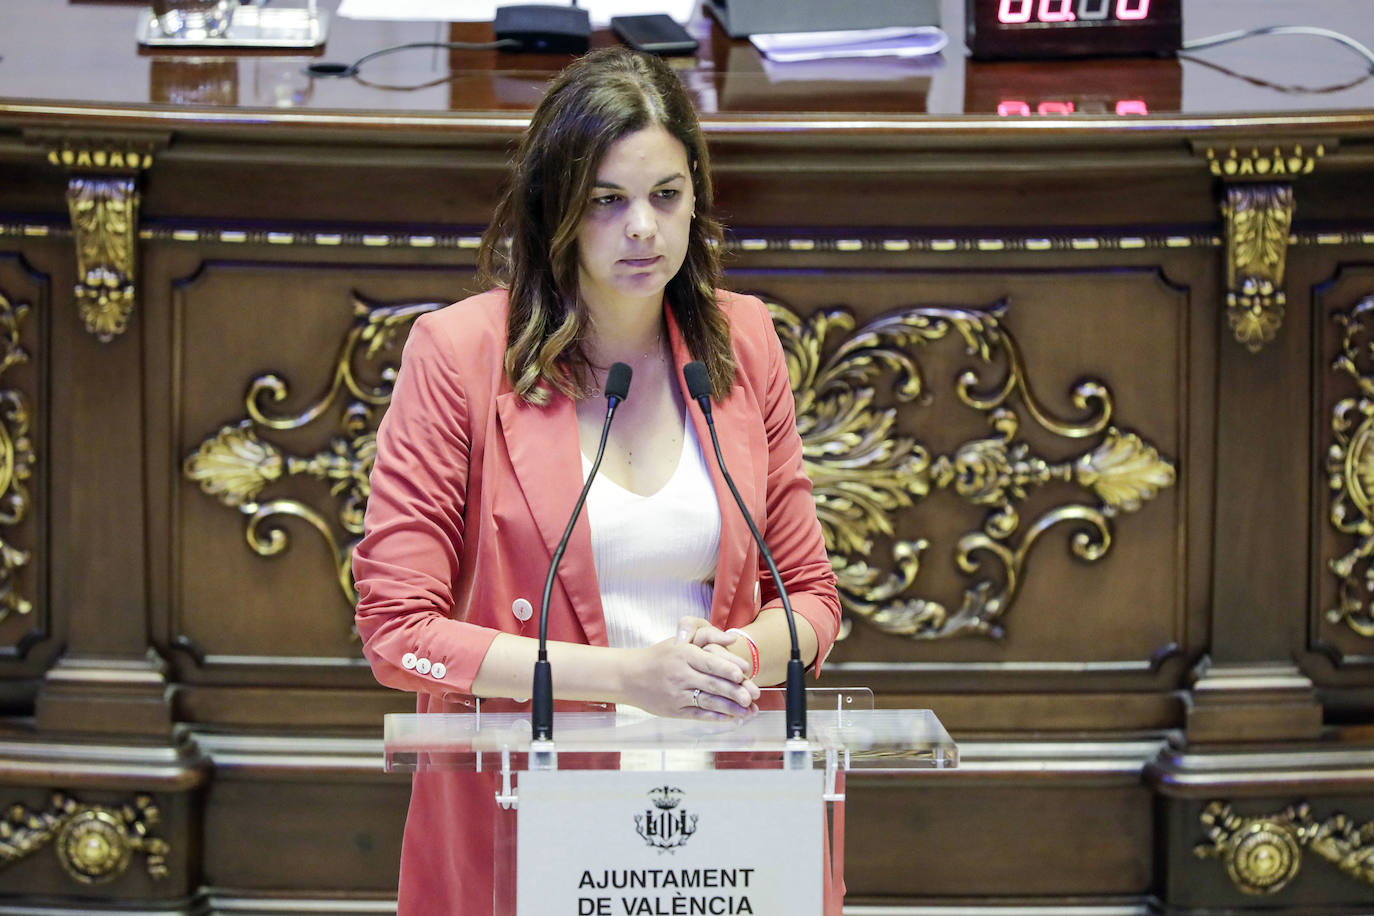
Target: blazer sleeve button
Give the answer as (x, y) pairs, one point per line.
(422, 666)
(409, 660)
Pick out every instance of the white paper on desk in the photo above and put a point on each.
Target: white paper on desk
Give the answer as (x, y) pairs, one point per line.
(895, 41)
(852, 69)
(600, 11)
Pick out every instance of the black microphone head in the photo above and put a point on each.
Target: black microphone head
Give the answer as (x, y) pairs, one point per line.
(698, 381)
(618, 382)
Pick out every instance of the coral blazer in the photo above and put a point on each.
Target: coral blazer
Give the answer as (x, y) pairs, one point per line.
(470, 492)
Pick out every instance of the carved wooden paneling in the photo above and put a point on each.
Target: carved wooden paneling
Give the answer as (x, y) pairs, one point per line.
(342, 838)
(1127, 562)
(1263, 854)
(82, 845)
(1341, 626)
(1293, 851)
(284, 371)
(25, 618)
(1066, 366)
(95, 844)
(1032, 839)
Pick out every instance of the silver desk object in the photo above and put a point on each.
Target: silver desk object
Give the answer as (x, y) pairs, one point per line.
(252, 27)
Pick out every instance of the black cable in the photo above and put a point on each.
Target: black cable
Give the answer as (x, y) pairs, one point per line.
(1212, 41)
(437, 81)
(1277, 87)
(334, 69)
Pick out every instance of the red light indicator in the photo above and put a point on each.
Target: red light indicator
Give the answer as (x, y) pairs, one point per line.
(1013, 11)
(1049, 13)
(1132, 9)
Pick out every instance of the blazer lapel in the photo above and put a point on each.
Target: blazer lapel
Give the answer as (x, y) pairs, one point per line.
(733, 427)
(546, 459)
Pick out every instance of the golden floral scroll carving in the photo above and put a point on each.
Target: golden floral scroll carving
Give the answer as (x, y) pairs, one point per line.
(1257, 207)
(102, 203)
(17, 458)
(94, 843)
(104, 214)
(236, 464)
(1350, 470)
(864, 470)
(1259, 218)
(1263, 855)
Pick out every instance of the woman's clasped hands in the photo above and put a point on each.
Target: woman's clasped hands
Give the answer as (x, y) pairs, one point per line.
(692, 676)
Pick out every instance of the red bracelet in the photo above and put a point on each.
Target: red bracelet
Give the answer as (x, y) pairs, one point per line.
(753, 648)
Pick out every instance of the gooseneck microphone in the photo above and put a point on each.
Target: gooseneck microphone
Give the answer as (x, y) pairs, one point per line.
(699, 387)
(541, 711)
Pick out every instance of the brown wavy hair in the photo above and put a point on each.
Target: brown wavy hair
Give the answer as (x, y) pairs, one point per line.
(530, 248)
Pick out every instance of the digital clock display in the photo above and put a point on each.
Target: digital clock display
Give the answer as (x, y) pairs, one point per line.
(1101, 87)
(1013, 29)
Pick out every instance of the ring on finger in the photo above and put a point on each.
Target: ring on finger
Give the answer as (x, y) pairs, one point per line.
(696, 698)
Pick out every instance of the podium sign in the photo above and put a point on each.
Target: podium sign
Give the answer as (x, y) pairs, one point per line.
(666, 843)
(747, 834)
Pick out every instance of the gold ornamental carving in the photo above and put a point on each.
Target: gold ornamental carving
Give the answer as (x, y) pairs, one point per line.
(102, 203)
(168, 231)
(1257, 209)
(95, 844)
(104, 214)
(1264, 162)
(864, 471)
(237, 465)
(1259, 218)
(110, 157)
(1263, 855)
(17, 459)
(1350, 470)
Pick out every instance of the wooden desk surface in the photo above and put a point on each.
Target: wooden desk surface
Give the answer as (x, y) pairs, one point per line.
(61, 60)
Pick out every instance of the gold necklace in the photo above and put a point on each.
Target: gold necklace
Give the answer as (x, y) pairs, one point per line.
(645, 356)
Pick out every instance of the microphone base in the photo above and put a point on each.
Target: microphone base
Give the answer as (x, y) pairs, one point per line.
(796, 754)
(796, 691)
(543, 754)
(541, 699)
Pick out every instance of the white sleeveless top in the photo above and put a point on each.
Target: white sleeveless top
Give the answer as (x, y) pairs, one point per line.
(655, 560)
(655, 555)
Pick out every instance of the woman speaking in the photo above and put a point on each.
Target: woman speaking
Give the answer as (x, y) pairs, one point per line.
(602, 250)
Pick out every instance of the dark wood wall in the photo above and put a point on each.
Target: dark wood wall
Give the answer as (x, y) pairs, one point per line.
(1123, 560)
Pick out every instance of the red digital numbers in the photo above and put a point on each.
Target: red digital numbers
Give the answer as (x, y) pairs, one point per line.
(1055, 11)
(1132, 9)
(1015, 12)
(1013, 108)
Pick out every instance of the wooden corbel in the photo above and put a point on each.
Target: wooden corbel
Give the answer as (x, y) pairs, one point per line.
(1257, 206)
(102, 201)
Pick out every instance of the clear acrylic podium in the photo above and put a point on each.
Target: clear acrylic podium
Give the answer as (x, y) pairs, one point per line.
(608, 749)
